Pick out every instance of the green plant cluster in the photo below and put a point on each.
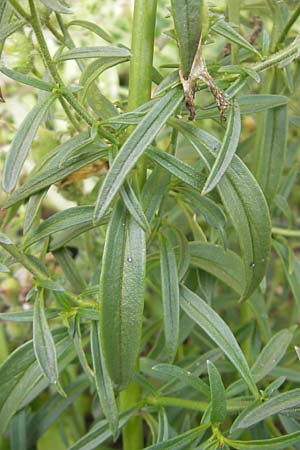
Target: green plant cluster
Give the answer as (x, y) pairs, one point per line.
(159, 309)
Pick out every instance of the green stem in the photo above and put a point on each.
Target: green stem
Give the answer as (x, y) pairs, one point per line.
(234, 17)
(140, 82)
(290, 52)
(37, 28)
(232, 405)
(140, 75)
(286, 232)
(288, 26)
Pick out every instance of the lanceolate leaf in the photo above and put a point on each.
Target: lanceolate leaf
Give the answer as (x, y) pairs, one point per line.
(271, 148)
(92, 27)
(43, 342)
(224, 29)
(277, 443)
(58, 6)
(170, 296)
(227, 150)
(121, 295)
(22, 142)
(32, 209)
(218, 397)
(103, 382)
(218, 331)
(95, 52)
(245, 205)
(181, 441)
(134, 206)
(223, 264)
(187, 15)
(53, 173)
(10, 28)
(274, 405)
(26, 79)
(134, 147)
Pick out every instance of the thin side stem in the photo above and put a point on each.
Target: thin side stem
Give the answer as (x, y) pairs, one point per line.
(288, 26)
(234, 17)
(286, 232)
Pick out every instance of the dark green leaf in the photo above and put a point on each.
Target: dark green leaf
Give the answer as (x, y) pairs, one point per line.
(218, 397)
(103, 382)
(43, 342)
(121, 295)
(227, 150)
(245, 205)
(170, 296)
(134, 147)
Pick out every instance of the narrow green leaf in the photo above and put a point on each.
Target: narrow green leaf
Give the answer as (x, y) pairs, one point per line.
(272, 353)
(18, 432)
(184, 376)
(163, 426)
(94, 70)
(223, 264)
(11, 28)
(33, 208)
(292, 277)
(53, 173)
(94, 52)
(181, 441)
(176, 167)
(271, 149)
(248, 104)
(218, 331)
(103, 382)
(170, 296)
(224, 29)
(206, 207)
(70, 270)
(27, 316)
(227, 150)
(218, 397)
(134, 207)
(121, 295)
(154, 190)
(274, 405)
(277, 443)
(92, 27)
(22, 142)
(27, 79)
(57, 6)
(134, 147)
(187, 15)
(77, 216)
(244, 203)
(43, 342)
(184, 253)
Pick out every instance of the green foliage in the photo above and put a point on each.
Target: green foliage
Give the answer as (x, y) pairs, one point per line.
(159, 308)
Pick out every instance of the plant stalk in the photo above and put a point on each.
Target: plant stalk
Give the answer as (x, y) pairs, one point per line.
(140, 82)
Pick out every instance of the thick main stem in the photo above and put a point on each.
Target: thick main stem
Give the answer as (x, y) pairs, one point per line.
(140, 75)
(140, 82)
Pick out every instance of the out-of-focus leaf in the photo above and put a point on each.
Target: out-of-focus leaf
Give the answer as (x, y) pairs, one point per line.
(57, 6)
(32, 209)
(181, 441)
(10, 28)
(91, 26)
(277, 443)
